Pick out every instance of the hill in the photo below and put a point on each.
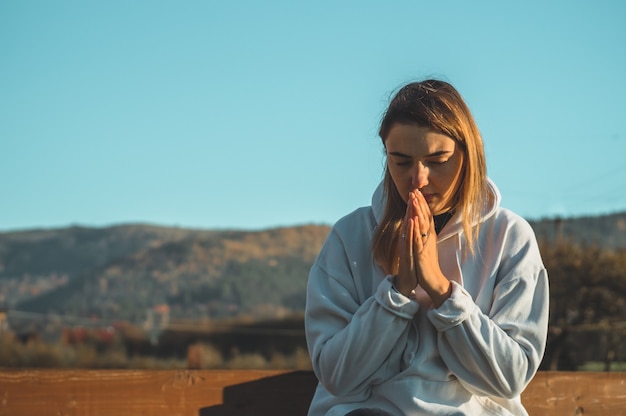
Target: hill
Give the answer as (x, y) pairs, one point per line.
(605, 231)
(140, 273)
(132, 272)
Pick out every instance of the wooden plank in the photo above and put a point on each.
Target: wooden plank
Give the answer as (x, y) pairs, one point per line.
(251, 392)
(112, 392)
(576, 393)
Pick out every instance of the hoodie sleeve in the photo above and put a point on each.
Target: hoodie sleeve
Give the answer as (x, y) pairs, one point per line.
(496, 352)
(351, 342)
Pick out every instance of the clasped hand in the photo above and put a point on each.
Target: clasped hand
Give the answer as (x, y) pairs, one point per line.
(419, 261)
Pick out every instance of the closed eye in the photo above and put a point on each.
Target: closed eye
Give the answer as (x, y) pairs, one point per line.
(400, 159)
(438, 162)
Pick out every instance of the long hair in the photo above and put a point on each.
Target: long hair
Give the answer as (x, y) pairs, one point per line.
(439, 106)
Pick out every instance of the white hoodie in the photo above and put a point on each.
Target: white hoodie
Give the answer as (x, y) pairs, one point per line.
(373, 347)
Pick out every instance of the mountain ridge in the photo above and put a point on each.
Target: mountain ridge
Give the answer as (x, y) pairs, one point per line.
(123, 272)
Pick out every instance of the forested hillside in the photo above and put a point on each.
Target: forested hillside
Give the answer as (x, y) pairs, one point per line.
(121, 273)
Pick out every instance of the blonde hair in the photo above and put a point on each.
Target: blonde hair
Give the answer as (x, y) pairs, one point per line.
(437, 105)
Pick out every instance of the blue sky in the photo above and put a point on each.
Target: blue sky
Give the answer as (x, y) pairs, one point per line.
(255, 114)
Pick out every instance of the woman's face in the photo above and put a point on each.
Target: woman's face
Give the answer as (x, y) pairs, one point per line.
(420, 158)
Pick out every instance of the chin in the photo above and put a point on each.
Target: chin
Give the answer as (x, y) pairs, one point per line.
(436, 209)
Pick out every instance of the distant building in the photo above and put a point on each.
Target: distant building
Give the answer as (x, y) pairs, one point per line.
(157, 318)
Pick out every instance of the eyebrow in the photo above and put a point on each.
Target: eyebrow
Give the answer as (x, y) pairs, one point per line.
(434, 154)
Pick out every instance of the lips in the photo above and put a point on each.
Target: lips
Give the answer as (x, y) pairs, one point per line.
(429, 197)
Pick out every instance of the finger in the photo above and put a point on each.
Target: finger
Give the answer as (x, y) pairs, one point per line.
(417, 243)
(405, 222)
(417, 203)
(410, 206)
(406, 274)
(427, 223)
(407, 240)
(415, 220)
(411, 233)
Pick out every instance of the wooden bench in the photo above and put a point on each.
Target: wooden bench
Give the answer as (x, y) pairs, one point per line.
(250, 393)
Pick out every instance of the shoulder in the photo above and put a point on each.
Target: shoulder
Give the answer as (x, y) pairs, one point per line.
(513, 238)
(512, 223)
(350, 236)
(360, 219)
(508, 233)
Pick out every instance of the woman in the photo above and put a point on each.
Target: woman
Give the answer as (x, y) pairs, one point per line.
(434, 299)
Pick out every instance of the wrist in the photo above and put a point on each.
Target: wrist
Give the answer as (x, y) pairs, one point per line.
(441, 294)
(399, 288)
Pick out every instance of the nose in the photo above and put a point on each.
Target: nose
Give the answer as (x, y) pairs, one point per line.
(419, 179)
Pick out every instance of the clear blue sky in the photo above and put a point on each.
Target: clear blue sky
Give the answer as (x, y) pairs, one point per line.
(254, 114)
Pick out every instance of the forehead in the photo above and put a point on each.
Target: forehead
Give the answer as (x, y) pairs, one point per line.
(417, 140)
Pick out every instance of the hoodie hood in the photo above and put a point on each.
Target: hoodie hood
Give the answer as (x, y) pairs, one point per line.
(379, 200)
